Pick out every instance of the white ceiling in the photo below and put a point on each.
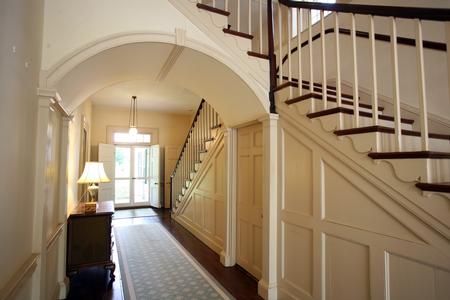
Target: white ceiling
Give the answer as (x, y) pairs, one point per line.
(151, 95)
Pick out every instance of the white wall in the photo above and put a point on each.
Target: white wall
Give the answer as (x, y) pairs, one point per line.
(72, 25)
(20, 57)
(204, 213)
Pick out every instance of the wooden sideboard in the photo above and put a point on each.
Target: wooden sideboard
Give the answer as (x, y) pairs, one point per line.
(89, 239)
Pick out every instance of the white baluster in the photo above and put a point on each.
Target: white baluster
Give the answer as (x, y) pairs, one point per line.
(373, 58)
(447, 31)
(226, 5)
(338, 61)
(324, 61)
(311, 65)
(214, 3)
(299, 50)
(249, 16)
(395, 86)
(239, 15)
(422, 87)
(355, 75)
(260, 28)
(289, 25)
(280, 44)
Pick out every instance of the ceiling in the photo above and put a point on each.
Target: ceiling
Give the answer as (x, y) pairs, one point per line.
(151, 95)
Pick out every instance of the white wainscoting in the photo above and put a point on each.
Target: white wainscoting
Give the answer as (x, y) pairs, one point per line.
(343, 238)
(204, 214)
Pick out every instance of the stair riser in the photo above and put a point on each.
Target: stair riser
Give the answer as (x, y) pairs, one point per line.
(365, 142)
(331, 122)
(219, 21)
(304, 107)
(203, 156)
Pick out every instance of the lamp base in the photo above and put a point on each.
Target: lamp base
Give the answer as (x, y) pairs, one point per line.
(90, 207)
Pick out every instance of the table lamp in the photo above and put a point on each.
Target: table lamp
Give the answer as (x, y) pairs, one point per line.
(93, 173)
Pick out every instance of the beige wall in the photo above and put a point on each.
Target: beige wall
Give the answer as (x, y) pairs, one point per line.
(20, 55)
(172, 128)
(82, 115)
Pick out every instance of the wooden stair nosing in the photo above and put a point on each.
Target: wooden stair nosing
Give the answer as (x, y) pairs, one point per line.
(237, 33)
(410, 155)
(329, 98)
(213, 9)
(443, 187)
(259, 55)
(384, 129)
(350, 111)
(216, 126)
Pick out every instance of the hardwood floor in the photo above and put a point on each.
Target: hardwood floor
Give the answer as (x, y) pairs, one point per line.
(93, 283)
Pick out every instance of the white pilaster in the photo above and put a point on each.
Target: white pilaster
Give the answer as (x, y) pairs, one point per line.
(62, 218)
(228, 255)
(39, 242)
(267, 286)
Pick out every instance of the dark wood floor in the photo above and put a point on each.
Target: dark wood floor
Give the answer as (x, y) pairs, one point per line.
(93, 283)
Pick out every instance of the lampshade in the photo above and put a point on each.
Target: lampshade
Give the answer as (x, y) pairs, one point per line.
(93, 173)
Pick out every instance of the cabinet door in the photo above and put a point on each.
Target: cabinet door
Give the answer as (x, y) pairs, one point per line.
(89, 240)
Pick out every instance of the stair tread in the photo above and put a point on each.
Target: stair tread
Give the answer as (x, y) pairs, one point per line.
(350, 111)
(385, 129)
(257, 54)
(443, 187)
(213, 9)
(238, 33)
(410, 154)
(329, 98)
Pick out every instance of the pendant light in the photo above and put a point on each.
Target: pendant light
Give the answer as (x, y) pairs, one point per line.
(133, 117)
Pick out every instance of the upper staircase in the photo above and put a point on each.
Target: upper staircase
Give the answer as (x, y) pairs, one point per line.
(325, 57)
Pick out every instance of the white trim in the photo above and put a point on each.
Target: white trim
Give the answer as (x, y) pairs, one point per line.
(111, 129)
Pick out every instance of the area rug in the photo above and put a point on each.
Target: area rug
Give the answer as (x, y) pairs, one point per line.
(134, 213)
(154, 265)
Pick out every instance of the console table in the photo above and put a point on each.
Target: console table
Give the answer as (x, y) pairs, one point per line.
(89, 239)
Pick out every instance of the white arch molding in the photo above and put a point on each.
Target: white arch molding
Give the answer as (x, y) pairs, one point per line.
(215, 76)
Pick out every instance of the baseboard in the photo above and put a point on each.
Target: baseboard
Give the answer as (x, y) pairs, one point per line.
(268, 292)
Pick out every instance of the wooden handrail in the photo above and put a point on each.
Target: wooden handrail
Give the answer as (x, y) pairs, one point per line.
(18, 279)
(55, 235)
(422, 13)
(187, 137)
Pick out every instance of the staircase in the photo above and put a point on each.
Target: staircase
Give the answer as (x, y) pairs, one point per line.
(416, 157)
(201, 138)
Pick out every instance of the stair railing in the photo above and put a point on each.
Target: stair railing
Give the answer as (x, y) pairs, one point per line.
(206, 119)
(296, 55)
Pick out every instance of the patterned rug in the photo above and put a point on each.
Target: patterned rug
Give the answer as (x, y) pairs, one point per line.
(134, 213)
(154, 265)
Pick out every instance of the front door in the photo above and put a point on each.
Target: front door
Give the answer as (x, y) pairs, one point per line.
(132, 176)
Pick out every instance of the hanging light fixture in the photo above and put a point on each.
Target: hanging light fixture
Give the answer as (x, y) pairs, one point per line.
(133, 117)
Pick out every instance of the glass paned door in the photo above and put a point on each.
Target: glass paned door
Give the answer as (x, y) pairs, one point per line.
(132, 180)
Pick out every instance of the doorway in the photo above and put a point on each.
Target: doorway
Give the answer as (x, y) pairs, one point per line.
(135, 171)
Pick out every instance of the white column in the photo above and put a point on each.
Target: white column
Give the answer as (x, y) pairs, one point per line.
(267, 286)
(228, 255)
(61, 276)
(39, 239)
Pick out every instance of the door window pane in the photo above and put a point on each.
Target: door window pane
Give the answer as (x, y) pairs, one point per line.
(123, 162)
(122, 193)
(141, 167)
(141, 190)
